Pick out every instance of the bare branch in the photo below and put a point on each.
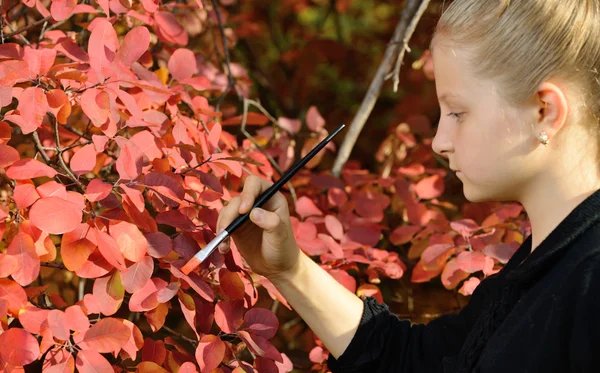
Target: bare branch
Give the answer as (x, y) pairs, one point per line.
(19, 31)
(40, 148)
(410, 11)
(409, 32)
(61, 161)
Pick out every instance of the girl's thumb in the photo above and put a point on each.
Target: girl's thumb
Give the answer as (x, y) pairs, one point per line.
(267, 220)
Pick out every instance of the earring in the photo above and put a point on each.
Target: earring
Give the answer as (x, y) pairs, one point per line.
(543, 138)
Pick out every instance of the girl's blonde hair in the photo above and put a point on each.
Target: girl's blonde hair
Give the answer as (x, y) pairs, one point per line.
(522, 43)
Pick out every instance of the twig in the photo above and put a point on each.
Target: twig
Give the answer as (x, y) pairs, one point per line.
(53, 265)
(39, 147)
(34, 24)
(409, 32)
(409, 12)
(23, 38)
(62, 161)
(179, 335)
(231, 80)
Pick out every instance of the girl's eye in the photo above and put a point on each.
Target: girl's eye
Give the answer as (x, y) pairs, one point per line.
(456, 115)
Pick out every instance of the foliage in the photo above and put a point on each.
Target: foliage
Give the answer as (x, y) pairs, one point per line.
(121, 140)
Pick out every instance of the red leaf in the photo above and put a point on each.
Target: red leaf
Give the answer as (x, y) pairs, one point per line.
(109, 293)
(257, 119)
(154, 351)
(84, 160)
(197, 283)
(29, 168)
(147, 142)
(370, 290)
(59, 105)
(188, 307)
(314, 120)
(145, 298)
(198, 82)
(151, 6)
(260, 346)
(306, 207)
(62, 9)
(137, 275)
(32, 108)
(96, 106)
(130, 162)
(150, 367)
(58, 324)
(231, 284)
(52, 189)
(135, 43)
(229, 315)
(5, 130)
(131, 241)
(175, 219)
(159, 244)
(92, 362)
(25, 195)
(469, 286)
(404, 234)
(13, 72)
(430, 187)
(76, 246)
(107, 335)
(55, 215)
(8, 155)
(77, 320)
(102, 46)
(500, 251)
(182, 64)
(335, 248)
(210, 352)
(58, 360)
(22, 248)
(344, 278)
(432, 252)
(261, 321)
(97, 190)
(18, 347)
(109, 249)
(188, 367)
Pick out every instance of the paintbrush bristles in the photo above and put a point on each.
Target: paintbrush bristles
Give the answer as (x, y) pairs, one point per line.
(190, 265)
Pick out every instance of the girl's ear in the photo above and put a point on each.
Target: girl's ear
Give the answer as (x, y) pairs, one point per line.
(553, 108)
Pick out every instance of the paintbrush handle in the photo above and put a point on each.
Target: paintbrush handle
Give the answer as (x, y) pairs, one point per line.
(270, 192)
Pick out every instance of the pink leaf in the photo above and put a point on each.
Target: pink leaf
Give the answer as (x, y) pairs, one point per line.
(109, 249)
(88, 361)
(432, 252)
(471, 261)
(58, 324)
(334, 227)
(130, 162)
(469, 286)
(62, 9)
(8, 265)
(96, 105)
(137, 275)
(404, 234)
(28, 169)
(466, 227)
(84, 160)
(260, 346)
(55, 215)
(182, 64)
(8, 155)
(77, 320)
(18, 347)
(306, 207)
(135, 43)
(210, 352)
(314, 120)
(22, 248)
(130, 240)
(97, 190)
(58, 360)
(500, 251)
(452, 275)
(25, 195)
(107, 335)
(229, 315)
(292, 125)
(168, 29)
(102, 47)
(430, 187)
(135, 196)
(32, 108)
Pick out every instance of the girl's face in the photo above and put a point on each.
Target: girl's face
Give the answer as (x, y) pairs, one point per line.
(484, 137)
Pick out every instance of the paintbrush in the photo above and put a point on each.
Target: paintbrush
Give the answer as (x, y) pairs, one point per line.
(201, 255)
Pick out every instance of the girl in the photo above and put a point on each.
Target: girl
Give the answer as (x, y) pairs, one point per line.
(517, 83)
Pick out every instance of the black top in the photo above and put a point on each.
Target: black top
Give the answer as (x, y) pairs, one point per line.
(554, 326)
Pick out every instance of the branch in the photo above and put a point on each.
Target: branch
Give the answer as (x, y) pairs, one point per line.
(40, 148)
(231, 80)
(34, 24)
(181, 336)
(409, 32)
(409, 12)
(53, 265)
(61, 161)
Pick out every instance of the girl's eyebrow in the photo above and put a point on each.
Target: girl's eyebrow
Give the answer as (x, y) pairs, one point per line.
(449, 96)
